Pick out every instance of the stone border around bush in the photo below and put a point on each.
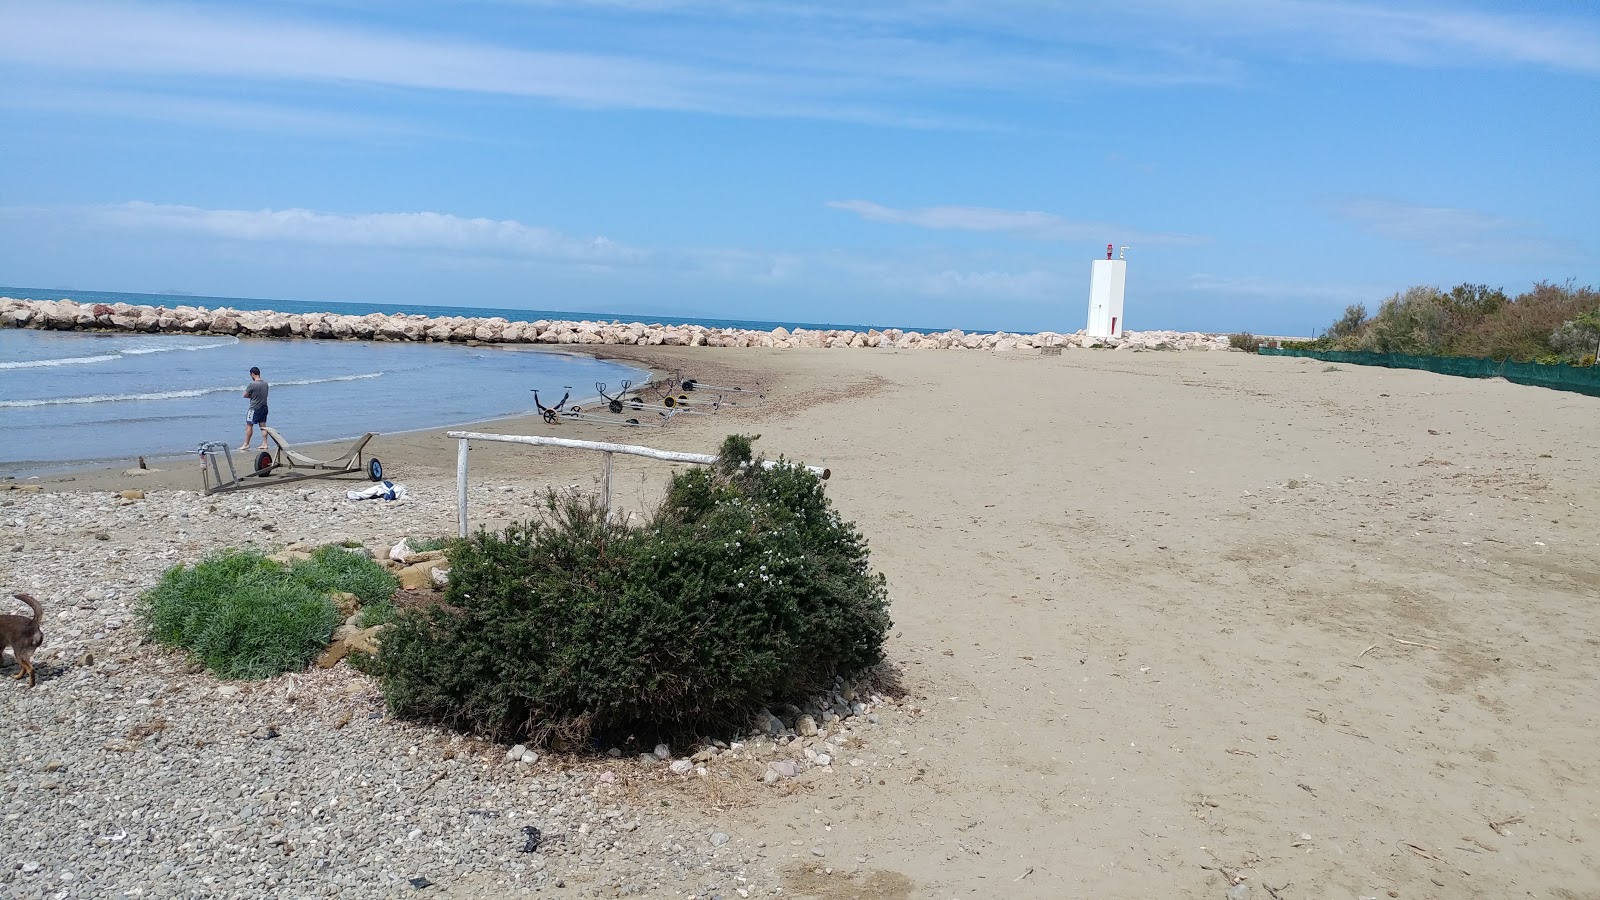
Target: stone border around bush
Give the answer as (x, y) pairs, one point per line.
(69, 315)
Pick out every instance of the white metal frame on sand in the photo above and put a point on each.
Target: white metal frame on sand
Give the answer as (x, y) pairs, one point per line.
(605, 448)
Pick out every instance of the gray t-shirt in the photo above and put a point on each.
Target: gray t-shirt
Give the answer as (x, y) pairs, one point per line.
(256, 393)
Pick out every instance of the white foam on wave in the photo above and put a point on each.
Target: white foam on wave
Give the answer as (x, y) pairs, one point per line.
(139, 351)
(109, 357)
(171, 395)
(64, 361)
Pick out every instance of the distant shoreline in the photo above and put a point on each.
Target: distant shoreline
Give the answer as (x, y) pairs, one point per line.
(70, 315)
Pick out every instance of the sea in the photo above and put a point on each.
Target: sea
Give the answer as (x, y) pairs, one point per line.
(71, 399)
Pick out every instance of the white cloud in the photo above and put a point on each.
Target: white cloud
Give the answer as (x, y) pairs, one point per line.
(1019, 223)
(1261, 286)
(230, 113)
(177, 41)
(448, 240)
(1395, 32)
(424, 231)
(1451, 232)
(897, 63)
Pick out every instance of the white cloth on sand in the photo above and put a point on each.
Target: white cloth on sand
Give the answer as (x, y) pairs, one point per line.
(383, 490)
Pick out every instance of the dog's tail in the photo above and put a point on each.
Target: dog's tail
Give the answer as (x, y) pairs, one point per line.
(38, 611)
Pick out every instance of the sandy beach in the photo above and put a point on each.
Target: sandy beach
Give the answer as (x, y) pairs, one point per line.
(1167, 622)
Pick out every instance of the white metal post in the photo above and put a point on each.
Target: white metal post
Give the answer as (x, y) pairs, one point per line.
(461, 486)
(606, 485)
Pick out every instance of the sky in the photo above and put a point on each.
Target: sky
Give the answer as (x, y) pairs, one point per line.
(939, 163)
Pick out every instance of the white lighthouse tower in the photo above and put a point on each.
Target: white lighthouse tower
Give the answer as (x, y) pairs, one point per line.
(1107, 279)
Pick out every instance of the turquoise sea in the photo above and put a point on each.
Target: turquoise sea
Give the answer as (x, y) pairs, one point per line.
(69, 399)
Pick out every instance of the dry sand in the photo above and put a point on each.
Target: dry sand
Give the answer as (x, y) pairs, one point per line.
(1175, 619)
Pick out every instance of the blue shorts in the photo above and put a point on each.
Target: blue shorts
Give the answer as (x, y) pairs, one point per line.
(256, 416)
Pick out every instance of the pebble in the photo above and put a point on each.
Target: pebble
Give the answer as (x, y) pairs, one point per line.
(1239, 892)
(185, 786)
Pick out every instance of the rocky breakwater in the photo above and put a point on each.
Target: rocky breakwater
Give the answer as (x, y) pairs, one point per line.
(68, 315)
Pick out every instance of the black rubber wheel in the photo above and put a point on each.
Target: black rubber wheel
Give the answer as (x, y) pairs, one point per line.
(576, 409)
(615, 406)
(374, 470)
(670, 402)
(549, 416)
(633, 421)
(263, 462)
(689, 385)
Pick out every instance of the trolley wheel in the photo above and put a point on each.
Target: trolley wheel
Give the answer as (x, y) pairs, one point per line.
(615, 406)
(670, 402)
(549, 416)
(576, 409)
(374, 470)
(263, 462)
(633, 421)
(689, 385)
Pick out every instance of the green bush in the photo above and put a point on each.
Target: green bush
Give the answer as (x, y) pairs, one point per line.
(1245, 341)
(246, 616)
(745, 586)
(1545, 324)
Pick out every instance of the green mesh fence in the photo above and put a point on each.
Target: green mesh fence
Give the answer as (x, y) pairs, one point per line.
(1583, 380)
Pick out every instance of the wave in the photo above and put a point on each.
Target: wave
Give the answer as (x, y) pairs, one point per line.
(139, 351)
(129, 351)
(171, 395)
(65, 361)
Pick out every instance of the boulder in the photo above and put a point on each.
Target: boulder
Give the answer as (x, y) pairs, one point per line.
(347, 603)
(366, 640)
(330, 657)
(420, 575)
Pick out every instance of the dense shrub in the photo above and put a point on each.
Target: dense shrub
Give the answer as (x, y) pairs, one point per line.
(1578, 339)
(745, 586)
(1245, 341)
(246, 616)
(1544, 324)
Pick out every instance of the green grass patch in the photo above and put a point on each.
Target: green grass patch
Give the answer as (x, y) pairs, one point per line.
(246, 616)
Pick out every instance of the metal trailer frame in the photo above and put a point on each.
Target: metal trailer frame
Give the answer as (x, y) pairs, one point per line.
(294, 465)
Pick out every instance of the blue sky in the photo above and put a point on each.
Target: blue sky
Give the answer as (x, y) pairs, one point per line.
(941, 163)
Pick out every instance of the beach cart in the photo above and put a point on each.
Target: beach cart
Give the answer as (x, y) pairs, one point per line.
(285, 465)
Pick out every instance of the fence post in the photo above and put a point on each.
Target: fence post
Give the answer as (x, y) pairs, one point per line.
(606, 485)
(461, 487)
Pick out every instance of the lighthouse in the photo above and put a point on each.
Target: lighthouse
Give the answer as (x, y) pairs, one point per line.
(1107, 279)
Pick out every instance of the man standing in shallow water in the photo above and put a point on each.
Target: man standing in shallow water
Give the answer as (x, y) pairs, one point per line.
(256, 393)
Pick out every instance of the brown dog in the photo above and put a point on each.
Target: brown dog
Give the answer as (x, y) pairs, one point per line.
(23, 637)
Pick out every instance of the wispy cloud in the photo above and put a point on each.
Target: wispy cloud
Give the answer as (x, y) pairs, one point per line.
(424, 231)
(1451, 232)
(1018, 223)
(896, 63)
(451, 240)
(1396, 32)
(1280, 289)
(231, 113)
